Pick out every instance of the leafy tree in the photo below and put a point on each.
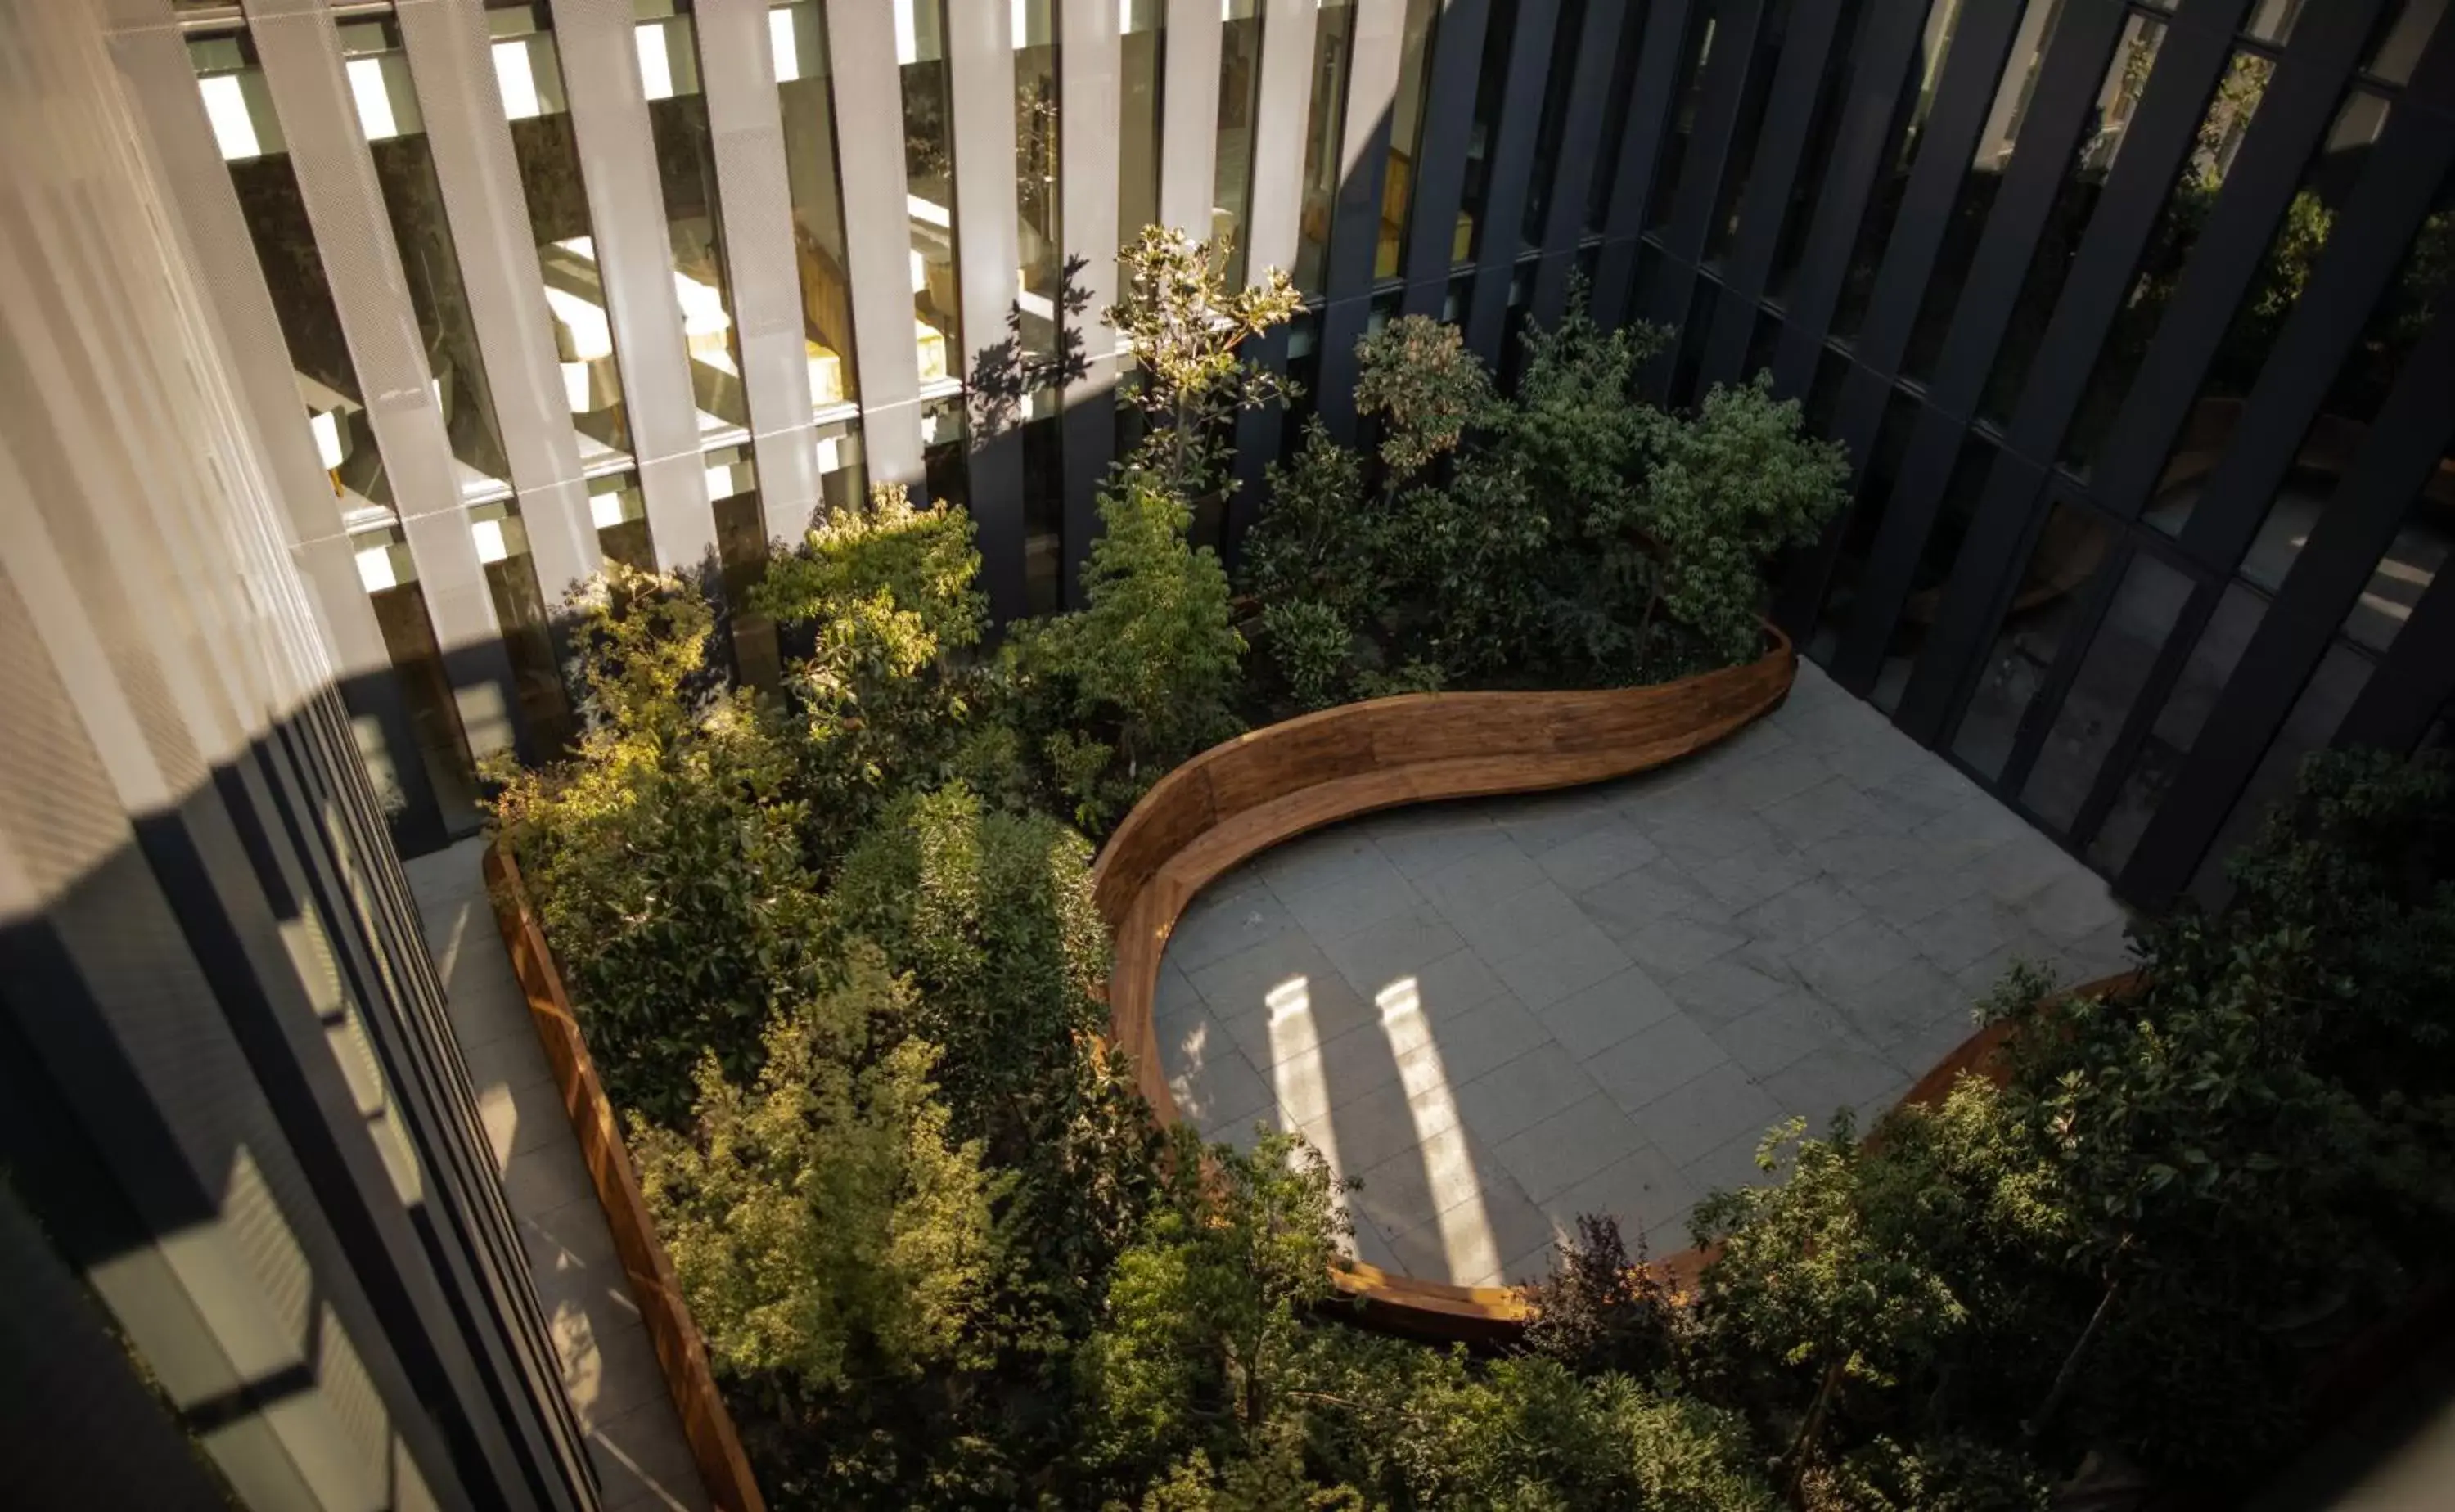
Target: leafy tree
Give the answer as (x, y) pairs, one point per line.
(1317, 541)
(1472, 554)
(823, 1223)
(1417, 377)
(1183, 323)
(1602, 1310)
(1150, 667)
(1310, 643)
(1200, 1333)
(1725, 491)
(665, 856)
(890, 594)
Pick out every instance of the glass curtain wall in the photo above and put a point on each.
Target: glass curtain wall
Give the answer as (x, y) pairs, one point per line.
(668, 51)
(1042, 298)
(1406, 137)
(1240, 101)
(528, 77)
(797, 40)
(1142, 57)
(521, 612)
(929, 185)
(389, 576)
(1333, 40)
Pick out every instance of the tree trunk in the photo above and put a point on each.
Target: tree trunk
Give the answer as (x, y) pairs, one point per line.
(1809, 1431)
(2035, 1428)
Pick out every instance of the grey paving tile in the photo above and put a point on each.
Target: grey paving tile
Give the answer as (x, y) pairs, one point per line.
(1392, 948)
(1543, 823)
(1967, 931)
(1421, 842)
(1302, 1013)
(1232, 915)
(1244, 981)
(1601, 1016)
(2102, 953)
(1910, 896)
(1518, 1094)
(1696, 833)
(1740, 882)
(609, 1366)
(1311, 1086)
(1832, 807)
(1904, 1004)
(1874, 757)
(1565, 1148)
(1979, 977)
(1561, 964)
(1626, 903)
(1480, 881)
(1370, 1246)
(1639, 1190)
(2019, 870)
(1789, 1028)
(1655, 1060)
(1687, 1122)
(1336, 912)
(1861, 951)
(1933, 788)
(1214, 1081)
(1674, 947)
(1468, 1045)
(639, 1447)
(1603, 849)
(1518, 922)
(1963, 834)
(507, 1060)
(1464, 1246)
(1921, 1047)
(1174, 996)
(1858, 1080)
(1802, 915)
(1728, 1166)
(1323, 858)
(1724, 990)
(547, 1177)
(1362, 1132)
(1459, 982)
(1768, 779)
(2071, 908)
(1411, 1188)
(1865, 855)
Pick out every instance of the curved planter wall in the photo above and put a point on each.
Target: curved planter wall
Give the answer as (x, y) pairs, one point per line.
(1241, 797)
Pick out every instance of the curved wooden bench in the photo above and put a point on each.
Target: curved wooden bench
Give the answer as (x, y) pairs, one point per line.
(1270, 785)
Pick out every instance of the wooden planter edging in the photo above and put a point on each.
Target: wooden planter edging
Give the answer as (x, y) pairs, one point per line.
(1242, 797)
(715, 1446)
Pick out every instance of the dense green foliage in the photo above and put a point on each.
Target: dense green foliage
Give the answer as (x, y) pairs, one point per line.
(838, 957)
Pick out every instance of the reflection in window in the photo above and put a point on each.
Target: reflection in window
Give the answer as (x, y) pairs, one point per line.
(2070, 548)
(1915, 105)
(1764, 56)
(1824, 128)
(741, 549)
(249, 134)
(2337, 432)
(2179, 721)
(1554, 123)
(945, 441)
(528, 76)
(2119, 659)
(1866, 517)
(1324, 118)
(391, 582)
(2325, 698)
(1686, 95)
(1035, 176)
(1933, 576)
(668, 51)
(521, 612)
(2400, 40)
(1139, 56)
(2067, 220)
(387, 112)
(619, 512)
(1615, 106)
(1491, 74)
(1406, 136)
(2178, 223)
(2272, 20)
(1240, 103)
(797, 39)
(1980, 183)
(844, 480)
(929, 185)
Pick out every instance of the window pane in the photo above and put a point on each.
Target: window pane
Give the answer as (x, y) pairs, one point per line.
(1833, 93)
(945, 441)
(1332, 42)
(2118, 664)
(1723, 226)
(1554, 123)
(797, 36)
(1932, 574)
(1685, 95)
(249, 137)
(2363, 382)
(1980, 183)
(2292, 253)
(528, 73)
(387, 114)
(929, 185)
(2177, 726)
(2325, 699)
(1916, 104)
(2070, 548)
(1044, 511)
(390, 580)
(844, 480)
(2178, 224)
(1492, 73)
(1043, 248)
(1616, 106)
(1141, 50)
(619, 512)
(1406, 136)
(1865, 519)
(2067, 220)
(2410, 565)
(668, 49)
(2401, 39)
(520, 609)
(741, 555)
(1240, 101)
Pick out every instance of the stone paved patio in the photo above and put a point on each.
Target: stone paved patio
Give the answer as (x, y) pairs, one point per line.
(1502, 1014)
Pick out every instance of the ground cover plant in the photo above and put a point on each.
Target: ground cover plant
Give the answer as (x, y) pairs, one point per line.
(836, 953)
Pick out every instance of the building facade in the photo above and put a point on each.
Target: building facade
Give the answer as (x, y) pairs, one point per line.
(2132, 315)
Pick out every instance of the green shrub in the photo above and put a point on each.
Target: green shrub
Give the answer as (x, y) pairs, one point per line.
(1308, 643)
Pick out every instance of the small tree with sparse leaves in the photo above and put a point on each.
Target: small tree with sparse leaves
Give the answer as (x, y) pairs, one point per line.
(1184, 326)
